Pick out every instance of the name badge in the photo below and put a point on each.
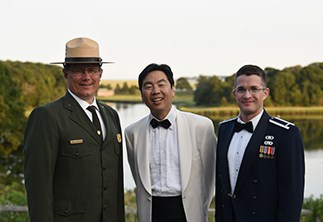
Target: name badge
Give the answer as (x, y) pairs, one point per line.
(78, 141)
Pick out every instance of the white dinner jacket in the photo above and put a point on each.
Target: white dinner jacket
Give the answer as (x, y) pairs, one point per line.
(197, 148)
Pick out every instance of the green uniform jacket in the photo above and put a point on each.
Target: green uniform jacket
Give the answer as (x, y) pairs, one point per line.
(70, 175)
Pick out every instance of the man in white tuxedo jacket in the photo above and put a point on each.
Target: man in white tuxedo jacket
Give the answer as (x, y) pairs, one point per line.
(171, 154)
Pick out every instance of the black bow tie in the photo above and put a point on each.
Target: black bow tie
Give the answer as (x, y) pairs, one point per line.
(165, 123)
(239, 126)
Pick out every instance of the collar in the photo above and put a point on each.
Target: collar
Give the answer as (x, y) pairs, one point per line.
(171, 116)
(254, 120)
(82, 102)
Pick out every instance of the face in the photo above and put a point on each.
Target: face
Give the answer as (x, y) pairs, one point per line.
(83, 80)
(157, 93)
(250, 94)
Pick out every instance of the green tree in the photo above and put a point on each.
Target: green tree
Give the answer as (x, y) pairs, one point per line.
(284, 88)
(12, 116)
(117, 89)
(182, 84)
(125, 88)
(23, 86)
(310, 80)
(209, 91)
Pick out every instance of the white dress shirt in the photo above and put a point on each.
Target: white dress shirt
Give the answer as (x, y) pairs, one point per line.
(84, 105)
(237, 149)
(164, 158)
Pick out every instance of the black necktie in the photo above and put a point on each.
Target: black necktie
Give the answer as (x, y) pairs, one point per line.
(95, 120)
(165, 123)
(240, 126)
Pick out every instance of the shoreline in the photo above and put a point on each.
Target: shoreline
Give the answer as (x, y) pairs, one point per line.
(300, 112)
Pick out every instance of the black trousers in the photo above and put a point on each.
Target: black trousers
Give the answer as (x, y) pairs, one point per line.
(168, 209)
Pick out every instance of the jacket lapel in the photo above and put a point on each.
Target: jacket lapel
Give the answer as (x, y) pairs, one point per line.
(252, 150)
(107, 119)
(226, 136)
(79, 116)
(185, 149)
(142, 149)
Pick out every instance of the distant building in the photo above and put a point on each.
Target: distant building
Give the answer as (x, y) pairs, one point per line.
(103, 92)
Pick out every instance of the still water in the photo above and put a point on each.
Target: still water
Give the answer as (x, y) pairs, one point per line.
(313, 137)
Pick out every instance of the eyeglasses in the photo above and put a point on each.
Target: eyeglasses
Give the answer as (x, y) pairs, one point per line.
(251, 90)
(77, 70)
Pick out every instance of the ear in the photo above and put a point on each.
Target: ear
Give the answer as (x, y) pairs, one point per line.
(142, 99)
(173, 91)
(234, 93)
(266, 92)
(65, 73)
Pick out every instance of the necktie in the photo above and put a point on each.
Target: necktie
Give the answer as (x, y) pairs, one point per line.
(165, 123)
(239, 126)
(95, 120)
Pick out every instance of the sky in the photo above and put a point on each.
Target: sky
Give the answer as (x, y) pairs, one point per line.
(194, 37)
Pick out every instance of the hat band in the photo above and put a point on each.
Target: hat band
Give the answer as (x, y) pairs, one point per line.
(83, 59)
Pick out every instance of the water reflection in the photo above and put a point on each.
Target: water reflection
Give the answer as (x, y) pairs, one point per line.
(312, 133)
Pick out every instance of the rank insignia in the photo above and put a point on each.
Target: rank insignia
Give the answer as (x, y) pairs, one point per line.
(119, 138)
(267, 152)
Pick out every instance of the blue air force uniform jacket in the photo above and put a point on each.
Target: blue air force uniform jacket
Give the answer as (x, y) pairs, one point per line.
(270, 183)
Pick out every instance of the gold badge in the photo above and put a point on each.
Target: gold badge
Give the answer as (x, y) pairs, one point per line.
(119, 138)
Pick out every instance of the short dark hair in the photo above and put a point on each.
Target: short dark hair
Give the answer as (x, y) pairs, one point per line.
(154, 67)
(251, 70)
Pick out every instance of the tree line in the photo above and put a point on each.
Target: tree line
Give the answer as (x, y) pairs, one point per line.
(25, 85)
(292, 86)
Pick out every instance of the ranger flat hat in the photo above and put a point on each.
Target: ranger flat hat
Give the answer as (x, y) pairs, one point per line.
(82, 50)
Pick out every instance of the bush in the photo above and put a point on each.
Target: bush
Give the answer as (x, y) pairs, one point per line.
(316, 206)
(13, 195)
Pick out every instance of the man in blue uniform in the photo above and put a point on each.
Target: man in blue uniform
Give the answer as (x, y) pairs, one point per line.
(260, 159)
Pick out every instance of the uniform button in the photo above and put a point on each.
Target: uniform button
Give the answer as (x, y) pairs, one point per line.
(66, 211)
(77, 154)
(104, 206)
(255, 181)
(254, 197)
(253, 213)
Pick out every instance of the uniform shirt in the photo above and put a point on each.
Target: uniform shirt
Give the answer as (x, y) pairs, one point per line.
(237, 149)
(84, 105)
(164, 158)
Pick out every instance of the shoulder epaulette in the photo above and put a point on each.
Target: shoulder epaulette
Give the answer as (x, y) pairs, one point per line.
(227, 120)
(280, 122)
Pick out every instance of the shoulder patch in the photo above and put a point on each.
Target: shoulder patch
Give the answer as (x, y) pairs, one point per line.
(280, 122)
(227, 120)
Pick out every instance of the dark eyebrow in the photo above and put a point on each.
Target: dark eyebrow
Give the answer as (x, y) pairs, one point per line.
(159, 81)
(162, 80)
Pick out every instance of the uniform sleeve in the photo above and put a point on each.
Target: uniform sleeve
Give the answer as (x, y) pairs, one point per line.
(291, 170)
(40, 149)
